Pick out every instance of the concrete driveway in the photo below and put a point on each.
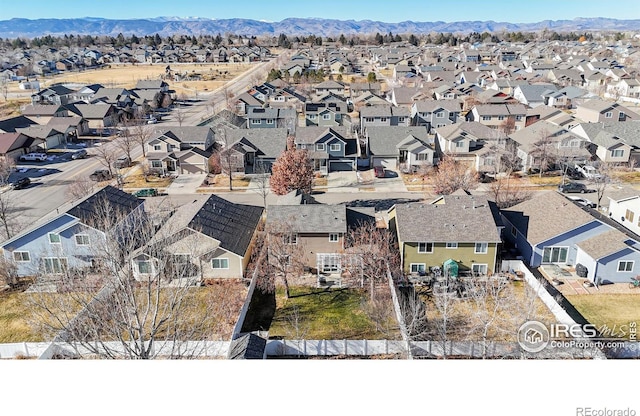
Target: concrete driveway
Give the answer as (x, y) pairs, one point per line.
(186, 184)
(366, 181)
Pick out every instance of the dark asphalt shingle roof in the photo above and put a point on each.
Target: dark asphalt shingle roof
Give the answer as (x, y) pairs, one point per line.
(247, 347)
(231, 224)
(119, 200)
(270, 142)
(317, 218)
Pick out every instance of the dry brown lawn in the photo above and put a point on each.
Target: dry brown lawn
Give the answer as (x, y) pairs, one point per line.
(223, 181)
(138, 181)
(320, 181)
(612, 311)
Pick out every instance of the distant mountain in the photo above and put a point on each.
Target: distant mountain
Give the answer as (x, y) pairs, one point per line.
(165, 26)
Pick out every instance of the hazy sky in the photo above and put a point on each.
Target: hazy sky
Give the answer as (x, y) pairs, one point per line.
(391, 11)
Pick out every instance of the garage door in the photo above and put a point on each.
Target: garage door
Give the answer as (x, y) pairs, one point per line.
(340, 166)
(387, 163)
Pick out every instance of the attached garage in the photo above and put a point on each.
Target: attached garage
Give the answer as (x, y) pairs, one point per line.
(341, 166)
(386, 162)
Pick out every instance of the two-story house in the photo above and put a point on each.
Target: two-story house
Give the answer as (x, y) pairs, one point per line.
(383, 115)
(598, 111)
(331, 149)
(180, 150)
(435, 113)
(271, 118)
(74, 239)
(252, 150)
(496, 115)
(458, 229)
(406, 148)
(326, 114)
(615, 142)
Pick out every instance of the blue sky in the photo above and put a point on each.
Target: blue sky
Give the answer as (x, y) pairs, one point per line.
(275, 10)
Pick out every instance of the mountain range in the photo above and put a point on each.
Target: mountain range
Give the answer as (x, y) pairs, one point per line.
(166, 26)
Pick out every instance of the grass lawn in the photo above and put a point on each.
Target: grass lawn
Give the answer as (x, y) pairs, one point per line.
(610, 310)
(320, 181)
(545, 180)
(323, 314)
(15, 325)
(627, 177)
(238, 181)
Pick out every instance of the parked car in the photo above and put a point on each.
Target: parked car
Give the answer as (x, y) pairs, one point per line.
(100, 175)
(378, 171)
(122, 162)
(34, 157)
(80, 154)
(146, 192)
(574, 187)
(582, 201)
(21, 183)
(575, 174)
(152, 121)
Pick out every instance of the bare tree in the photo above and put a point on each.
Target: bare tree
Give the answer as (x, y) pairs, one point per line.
(261, 181)
(414, 313)
(380, 311)
(8, 272)
(107, 155)
(601, 180)
(452, 175)
(227, 155)
(285, 256)
(444, 300)
(141, 133)
(506, 193)
(80, 188)
(4, 87)
(10, 213)
(370, 255)
(126, 142)
(179, 114)
(138, 299)
(544, 151)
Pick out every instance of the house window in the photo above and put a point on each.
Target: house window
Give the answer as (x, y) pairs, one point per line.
(555, 254)
(144, 266)
(334, 237)
(401, 119)
(82, 240)
(422, 156)
(629, 215)
(220, 263)
(383, 119)
(369, 119)
(622, 116)
(270, 121)
(418, 267)
(486, 118)
(481, 248)
(312, 116)
(320, 147)
(518, 118)
(608, 114)
(290, 238)
(459, 144)
(625, 266)
(54, 238)
(326, 116)
(479, 269)
(440, 114)
(54, 265)
(157, 147)
(617, 153)
(255, 121)
(500, 118)
(335, 147)
(425, 247)
(21, 256)
(156, 163)
(452, 245)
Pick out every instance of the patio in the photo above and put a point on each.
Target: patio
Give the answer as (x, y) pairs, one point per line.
(572, 284)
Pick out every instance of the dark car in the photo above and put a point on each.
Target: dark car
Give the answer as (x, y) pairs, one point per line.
(122, 162)
(574, 174)
(573, 187)
(146, 192)
(21, 183)
(80, 154)
(378, 171)
(100, 175)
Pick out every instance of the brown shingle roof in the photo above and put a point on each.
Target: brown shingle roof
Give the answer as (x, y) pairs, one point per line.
(604, 244)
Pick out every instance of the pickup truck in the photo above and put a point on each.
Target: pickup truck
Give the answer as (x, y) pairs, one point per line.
(588, 171)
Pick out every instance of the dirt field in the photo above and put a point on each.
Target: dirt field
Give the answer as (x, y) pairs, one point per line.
(127, 75)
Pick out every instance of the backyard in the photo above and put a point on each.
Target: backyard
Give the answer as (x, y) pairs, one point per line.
(609, 311)
(330, 313)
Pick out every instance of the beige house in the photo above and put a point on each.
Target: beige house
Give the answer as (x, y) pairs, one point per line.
(598, 111)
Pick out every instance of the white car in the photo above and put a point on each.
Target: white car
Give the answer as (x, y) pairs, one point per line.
(589, 172)
(582, 201)
(34, 157)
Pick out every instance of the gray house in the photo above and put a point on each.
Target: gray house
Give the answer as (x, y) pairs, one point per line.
(270, 118)
(435, 113)
(326, 114)
(405, 148)
(330, 149)
(383, 115)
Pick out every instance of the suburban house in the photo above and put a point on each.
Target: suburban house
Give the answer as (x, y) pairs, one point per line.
(456, 229)
(496, 115)
(326, 114)
(383, 115)
(329, 86)
(55, 94)
(271, 118)
(12, 145)
(406, 148)
(208, 238)
(99, 116)
(615, 142)
(471, 143)
(72, 239)
(42, 113)
(180, 150)
(551, 229)
(253, 150)
(533, 95)
(624, 208)
(319, 229)
(545, 137)
(432, 113)
(331, 149)
(9, 125)
(44, 137)
(598, 111)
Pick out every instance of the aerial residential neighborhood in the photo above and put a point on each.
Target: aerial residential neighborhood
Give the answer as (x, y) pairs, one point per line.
(362, 195)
